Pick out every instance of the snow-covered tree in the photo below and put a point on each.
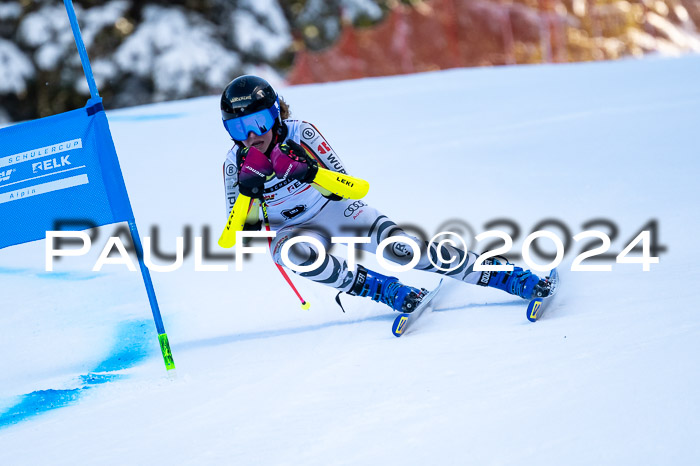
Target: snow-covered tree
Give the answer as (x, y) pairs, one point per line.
(153, 50)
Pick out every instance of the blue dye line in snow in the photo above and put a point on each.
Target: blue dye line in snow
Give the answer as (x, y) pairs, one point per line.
(133, 344)
(519, 302)
(226, 339)
(239, 337)
(71, 276)
(162, 116)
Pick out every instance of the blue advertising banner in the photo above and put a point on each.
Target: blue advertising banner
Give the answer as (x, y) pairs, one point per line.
(62, 167)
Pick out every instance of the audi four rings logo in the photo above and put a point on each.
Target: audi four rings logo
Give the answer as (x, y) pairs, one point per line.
(309, 133)
(352, 208)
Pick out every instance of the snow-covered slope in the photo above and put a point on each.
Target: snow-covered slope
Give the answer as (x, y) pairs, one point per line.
(609, 376)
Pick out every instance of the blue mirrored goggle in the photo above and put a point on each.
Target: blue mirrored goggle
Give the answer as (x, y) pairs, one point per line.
(259, 123)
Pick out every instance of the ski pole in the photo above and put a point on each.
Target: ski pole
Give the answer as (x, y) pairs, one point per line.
(304, 304)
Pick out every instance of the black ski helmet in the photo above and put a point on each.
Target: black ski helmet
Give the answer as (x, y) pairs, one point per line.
(246, 95)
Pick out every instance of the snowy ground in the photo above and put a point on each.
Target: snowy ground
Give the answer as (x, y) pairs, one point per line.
(609, 376)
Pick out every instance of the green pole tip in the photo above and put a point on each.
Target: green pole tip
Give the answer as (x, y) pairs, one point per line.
(165, 349)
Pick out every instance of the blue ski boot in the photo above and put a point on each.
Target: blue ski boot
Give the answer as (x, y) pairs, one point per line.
(519, 282)
(387, 290)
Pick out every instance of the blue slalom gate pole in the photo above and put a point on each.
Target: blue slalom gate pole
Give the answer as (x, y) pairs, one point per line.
(95, 96)
(87, 69)
(160, 328)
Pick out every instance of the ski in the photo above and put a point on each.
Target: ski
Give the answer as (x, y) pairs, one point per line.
(538, 305)
(404, 320)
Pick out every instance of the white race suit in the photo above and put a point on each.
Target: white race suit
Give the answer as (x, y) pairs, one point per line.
(295, 208)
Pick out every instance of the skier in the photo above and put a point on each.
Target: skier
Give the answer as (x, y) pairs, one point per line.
(274, 160)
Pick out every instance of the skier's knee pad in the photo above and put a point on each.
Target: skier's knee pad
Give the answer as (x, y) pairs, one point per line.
(300, 253)
(404, 248)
